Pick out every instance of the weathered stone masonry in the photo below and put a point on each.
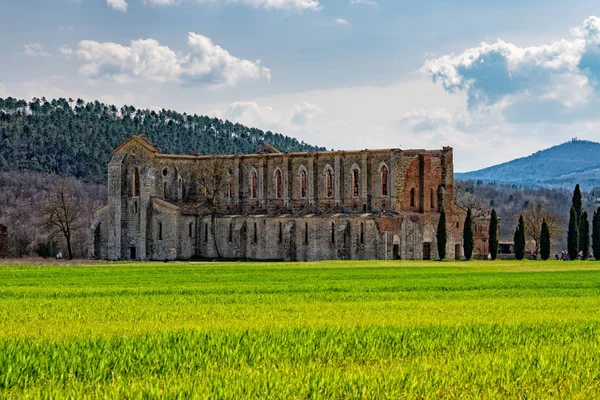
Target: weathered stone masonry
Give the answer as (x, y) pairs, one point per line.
(370, 204)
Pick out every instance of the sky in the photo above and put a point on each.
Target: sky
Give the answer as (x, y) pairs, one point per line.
(494, 80)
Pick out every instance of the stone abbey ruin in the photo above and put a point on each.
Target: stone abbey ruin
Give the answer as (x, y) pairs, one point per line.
(345, 205)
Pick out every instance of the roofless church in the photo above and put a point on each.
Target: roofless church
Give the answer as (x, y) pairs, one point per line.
(338, 205)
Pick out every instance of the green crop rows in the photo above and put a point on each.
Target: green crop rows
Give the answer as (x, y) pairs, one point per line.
(301, 330)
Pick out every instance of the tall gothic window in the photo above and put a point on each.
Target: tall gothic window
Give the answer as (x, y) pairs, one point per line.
(278, 184)
(302, 183)
(280, 232)
(362, 233)
(412, 197)
(253, 185)
(165, 190)
(160, 232)
(328, 184)
(306, 233)
(355, 190)
(432, 199)
(333, 232)
(136, 182)
(384, 181)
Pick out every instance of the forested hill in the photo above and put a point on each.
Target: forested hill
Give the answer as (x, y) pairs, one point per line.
(76, 138)
(562, 166)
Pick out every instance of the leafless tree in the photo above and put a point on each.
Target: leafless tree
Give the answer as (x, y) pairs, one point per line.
(61, 213)
(479, 208)
(214, 184)
(534, 215)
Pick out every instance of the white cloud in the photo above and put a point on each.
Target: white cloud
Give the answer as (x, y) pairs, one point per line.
(65, 51)
(35, 50)
(341, 21)
(557, 81)
(367, 2)
(288, 5)
(119, 5)
(3, 91)
(146, 59)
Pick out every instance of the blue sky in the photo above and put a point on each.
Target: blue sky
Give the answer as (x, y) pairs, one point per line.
(495, 80)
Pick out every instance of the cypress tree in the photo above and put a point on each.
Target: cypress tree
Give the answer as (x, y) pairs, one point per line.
(519, 239)
(545, 241)
(572, 235)
(596, 234)
(468, 235)
(441, 234)
(493, 235)
(584, 235)
(577, 203)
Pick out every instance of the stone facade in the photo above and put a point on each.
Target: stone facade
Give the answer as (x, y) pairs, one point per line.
(370, 204)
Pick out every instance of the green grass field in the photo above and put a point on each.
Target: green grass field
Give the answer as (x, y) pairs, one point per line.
(370, 329)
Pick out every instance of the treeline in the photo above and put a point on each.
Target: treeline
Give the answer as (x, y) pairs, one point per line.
(74, 138)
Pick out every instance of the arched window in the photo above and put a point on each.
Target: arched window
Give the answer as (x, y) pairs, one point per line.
(302, 183)
(384, 181)
(255, 236)
(278, 184)
(280, 232)
(253, 185)
(333, 233)
(160, 231)
(355, 187)
(230, 232)
(191, 229)
(206, 232)
(136, 182)
(412, 197)
(328, 184)
(306, 233)
(362, 233)
(432, 199)
(165, 190)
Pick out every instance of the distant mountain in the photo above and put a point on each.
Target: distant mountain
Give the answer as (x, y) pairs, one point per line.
(72, 137)
(565, 165)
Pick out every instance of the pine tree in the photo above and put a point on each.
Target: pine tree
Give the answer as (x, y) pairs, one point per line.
(545, 241)
(519, 239)
(441, 234)
(596, 234)
(584, 235)
(468, 242)
(572, 235)
(493, 235)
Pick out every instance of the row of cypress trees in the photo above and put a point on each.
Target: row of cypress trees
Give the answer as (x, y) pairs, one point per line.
(578, 236)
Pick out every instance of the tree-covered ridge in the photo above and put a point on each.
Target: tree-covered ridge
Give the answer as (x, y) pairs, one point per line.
(69, 137)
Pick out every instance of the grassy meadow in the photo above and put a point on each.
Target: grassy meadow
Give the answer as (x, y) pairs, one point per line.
(368, 329)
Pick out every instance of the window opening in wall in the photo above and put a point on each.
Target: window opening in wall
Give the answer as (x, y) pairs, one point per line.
(160, 230)
(165, 172)
(362, 233)
(206, 232)
(355, 183)
(278, 184)
(191, 229)
(280, 232)
(432, 199)
(255, 236)
(136, 182)
(332, 232)
(384, 181)
(306, 233)
(253, 185)
(457, 225)
(230, 233)
(364, 208)
(229, 196)
(135, 207)
(328, 184)
(412, 197)
(302, 183)
(165, 190)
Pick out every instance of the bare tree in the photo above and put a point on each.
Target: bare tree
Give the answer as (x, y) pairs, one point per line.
(61, 213)
(214, 182)
(478, 206)
(534, 216)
